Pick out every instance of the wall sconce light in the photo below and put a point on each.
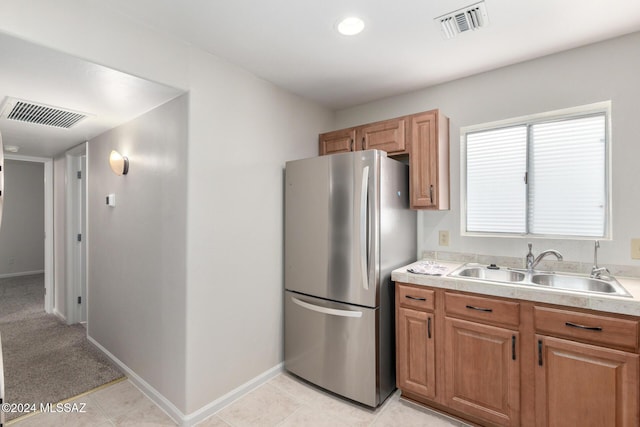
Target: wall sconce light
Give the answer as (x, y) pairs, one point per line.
(119, 163)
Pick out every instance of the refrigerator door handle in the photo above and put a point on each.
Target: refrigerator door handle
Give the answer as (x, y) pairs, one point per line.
(364, 212)
(325, 310)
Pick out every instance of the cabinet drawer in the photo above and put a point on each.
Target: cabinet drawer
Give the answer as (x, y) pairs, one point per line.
(590, 328)
(415, 297)
(487, 310)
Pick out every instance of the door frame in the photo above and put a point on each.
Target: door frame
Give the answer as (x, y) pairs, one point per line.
(48, 224)
(75, 223)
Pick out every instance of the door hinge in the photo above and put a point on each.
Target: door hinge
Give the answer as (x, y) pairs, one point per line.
(79, 300)
(79, 237)
(79, 174)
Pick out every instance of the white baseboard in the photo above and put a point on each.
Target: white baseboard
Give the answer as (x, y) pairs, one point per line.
(21, 273)
(144, 386)
(60, 315)
(208, 410)
(201, 414)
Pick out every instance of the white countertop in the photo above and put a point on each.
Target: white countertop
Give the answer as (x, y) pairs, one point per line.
(611, 304)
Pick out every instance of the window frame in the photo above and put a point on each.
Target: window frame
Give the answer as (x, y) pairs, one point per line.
(529, 120)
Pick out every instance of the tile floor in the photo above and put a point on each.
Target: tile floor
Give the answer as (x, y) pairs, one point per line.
(283, 401)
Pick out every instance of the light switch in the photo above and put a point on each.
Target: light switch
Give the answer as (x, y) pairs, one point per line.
(111, 200)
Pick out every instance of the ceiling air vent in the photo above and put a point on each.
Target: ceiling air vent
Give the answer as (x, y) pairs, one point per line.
(468, 18)
(41, 114)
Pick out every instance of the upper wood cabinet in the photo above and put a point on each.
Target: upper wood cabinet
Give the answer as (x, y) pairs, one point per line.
(429, 161)
(389, 136)
(339, 141)
(424, 137)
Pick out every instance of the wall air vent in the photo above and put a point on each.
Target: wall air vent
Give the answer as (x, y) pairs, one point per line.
(41, 114)
(468, 18)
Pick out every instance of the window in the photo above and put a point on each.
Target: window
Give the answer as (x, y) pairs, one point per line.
(545, 175)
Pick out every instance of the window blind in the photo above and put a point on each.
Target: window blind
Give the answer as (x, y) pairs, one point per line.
(496, 192)
(565, 193)
(567, 189)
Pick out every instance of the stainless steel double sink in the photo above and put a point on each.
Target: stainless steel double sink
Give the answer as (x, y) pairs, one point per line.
(604, 285)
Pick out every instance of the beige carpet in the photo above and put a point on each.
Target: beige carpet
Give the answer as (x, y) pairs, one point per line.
(45, 360)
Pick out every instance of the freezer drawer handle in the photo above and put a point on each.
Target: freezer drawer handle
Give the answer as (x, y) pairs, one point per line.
(325, 310)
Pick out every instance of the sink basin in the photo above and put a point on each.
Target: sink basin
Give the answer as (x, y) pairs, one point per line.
(490, 274)
(608, 286)
(578, 283)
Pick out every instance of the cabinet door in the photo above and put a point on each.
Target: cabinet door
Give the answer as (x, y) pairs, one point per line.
(389, 136)
(429, 161)
(584, 385)
(482, 371)
(416, 352)
(339, 141)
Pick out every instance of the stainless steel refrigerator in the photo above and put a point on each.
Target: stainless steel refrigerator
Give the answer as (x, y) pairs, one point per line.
(347, 226)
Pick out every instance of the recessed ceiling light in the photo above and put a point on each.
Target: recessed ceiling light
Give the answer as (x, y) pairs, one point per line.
(350, 26)
(11, 148)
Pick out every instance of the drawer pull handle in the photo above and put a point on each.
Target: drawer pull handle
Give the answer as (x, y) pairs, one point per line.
(486, 310)
(415, 298)
(429, 327)
(587, 328)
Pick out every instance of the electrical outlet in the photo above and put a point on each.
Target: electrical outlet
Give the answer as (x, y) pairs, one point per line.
(443, 238)
(635, 248)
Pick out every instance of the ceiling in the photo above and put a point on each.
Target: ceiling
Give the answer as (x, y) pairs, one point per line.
(34, 73)
(293, 43)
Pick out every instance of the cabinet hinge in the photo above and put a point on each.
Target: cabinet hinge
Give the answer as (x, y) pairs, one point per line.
(79, 174)
(79, 300)
(526, 178)
(79, 237)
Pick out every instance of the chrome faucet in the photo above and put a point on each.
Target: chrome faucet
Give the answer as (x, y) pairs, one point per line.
(596, 272)
(533, 262)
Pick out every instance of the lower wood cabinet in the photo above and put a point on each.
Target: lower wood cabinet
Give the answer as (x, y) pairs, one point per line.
(482, 371)
(585, 385)
(416, 362)
(506, 362)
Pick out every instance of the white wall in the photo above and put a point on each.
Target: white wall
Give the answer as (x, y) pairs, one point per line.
(603, 71)
(241, 131)
(137, 249)
(22, 231)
